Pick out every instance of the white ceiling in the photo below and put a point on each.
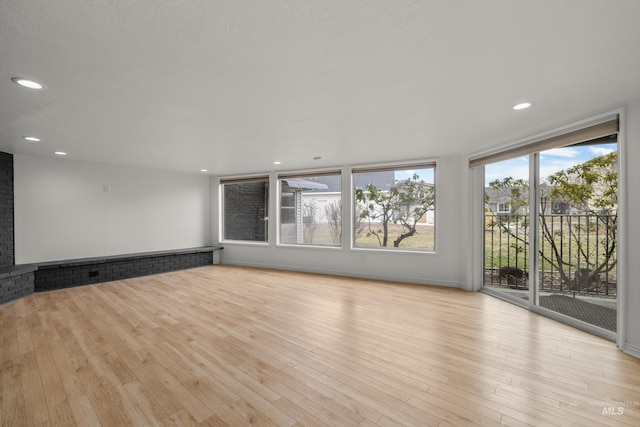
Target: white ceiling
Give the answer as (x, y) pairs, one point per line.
(233, 85)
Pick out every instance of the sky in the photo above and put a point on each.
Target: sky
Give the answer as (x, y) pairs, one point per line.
(425, 174)
(551, 161)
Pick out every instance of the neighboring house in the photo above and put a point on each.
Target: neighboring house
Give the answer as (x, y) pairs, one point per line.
(427, 218)
(500, 202)
(323, 197)
(555, 206)
(332, 194)
(292, 207)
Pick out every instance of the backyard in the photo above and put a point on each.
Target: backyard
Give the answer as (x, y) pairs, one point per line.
(578, 256)
(424, 238)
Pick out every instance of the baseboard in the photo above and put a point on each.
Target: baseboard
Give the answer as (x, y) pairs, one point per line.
(632, 350)
(404, 279)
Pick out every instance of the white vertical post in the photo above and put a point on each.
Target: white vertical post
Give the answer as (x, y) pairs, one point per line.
(534, 221)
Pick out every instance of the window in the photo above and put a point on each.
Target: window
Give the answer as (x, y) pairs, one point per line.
(245, 209)
(311, 208)
(394, 207)
(504, 208)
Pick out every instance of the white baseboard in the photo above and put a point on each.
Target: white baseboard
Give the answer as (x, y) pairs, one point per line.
(632, 350)
(413, 280)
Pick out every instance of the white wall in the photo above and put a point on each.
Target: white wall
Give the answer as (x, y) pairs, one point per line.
(631, 162)
(63, 209)
(447, 266)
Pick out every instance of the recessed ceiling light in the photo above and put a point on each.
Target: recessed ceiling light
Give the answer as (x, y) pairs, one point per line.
(27, 83)
(522, 106)
(59, 153)
(31, 138)
(277, 163)
(204, 170)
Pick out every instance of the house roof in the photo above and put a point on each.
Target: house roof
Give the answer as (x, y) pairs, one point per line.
(303, 184)
(332, 183)
(382, 180)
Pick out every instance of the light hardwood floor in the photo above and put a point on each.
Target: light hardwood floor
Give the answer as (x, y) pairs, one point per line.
(234, 346)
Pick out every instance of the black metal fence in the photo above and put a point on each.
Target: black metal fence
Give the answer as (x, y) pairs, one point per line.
(577, 253)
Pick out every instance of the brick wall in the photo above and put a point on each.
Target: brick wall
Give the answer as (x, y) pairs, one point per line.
(14, 283)
(7, 256)
(244, 211)
(66, 274)
(14, 286)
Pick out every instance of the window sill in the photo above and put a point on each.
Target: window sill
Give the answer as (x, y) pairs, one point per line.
(396, 251)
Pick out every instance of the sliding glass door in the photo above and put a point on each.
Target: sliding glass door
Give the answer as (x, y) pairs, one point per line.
(577, 232)
(553, 245)
(506, 227)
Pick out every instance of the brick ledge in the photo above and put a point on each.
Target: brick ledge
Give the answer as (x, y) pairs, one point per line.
(138, 255)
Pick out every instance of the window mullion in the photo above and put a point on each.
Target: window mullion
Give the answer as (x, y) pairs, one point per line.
(534, 219)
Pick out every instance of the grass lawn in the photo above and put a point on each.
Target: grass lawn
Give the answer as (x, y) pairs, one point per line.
(424, 239)
(505, 249)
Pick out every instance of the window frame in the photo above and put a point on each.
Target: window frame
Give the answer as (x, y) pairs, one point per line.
(280, 177)
(403, 166)
(223, 214)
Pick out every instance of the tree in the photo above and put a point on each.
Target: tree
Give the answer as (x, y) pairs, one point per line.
(309, 213)
(515, 191)
(333, 212)
(404, 203)
(590, 187)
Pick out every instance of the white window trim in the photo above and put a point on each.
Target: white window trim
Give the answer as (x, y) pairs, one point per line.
(408, 165)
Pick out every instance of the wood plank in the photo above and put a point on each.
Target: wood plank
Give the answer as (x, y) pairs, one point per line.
(35, 398)
(225, 345)
(14, 408)
(83, 412)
